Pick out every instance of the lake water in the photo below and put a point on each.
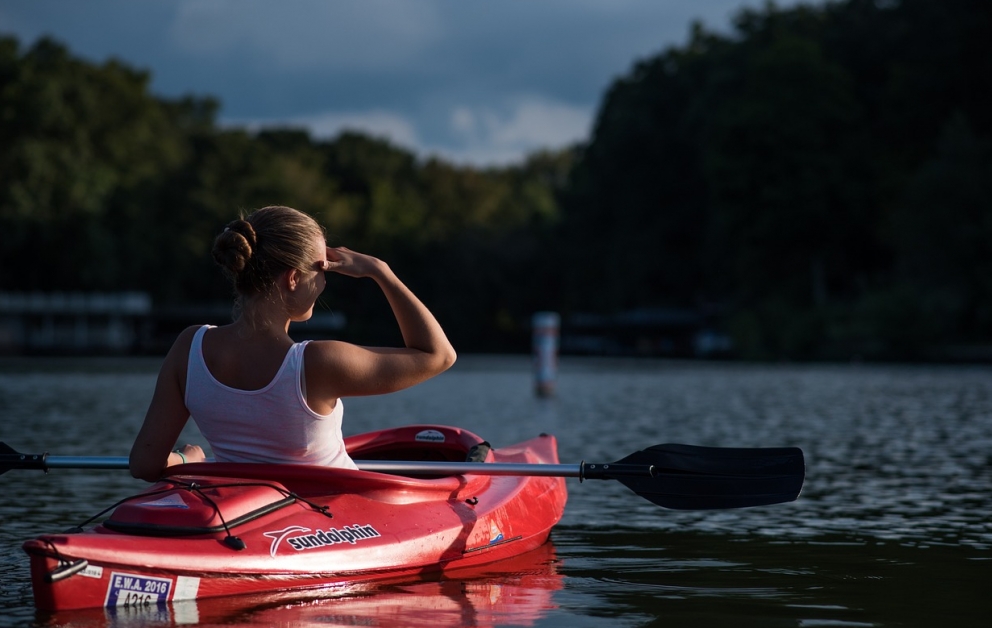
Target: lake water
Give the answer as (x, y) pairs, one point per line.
(893, 528)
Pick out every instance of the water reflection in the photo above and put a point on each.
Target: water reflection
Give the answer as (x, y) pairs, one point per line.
(894, 525)
(687, 578)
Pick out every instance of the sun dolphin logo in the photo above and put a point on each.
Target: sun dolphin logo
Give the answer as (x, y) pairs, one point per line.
(429, 436)
(320, 538)
(278, 536)
(323, 538)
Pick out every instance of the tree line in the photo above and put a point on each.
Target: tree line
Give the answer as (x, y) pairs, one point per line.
(822, 175)
(819, 179)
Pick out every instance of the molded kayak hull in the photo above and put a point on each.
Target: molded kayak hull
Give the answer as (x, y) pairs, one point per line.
(220, 529)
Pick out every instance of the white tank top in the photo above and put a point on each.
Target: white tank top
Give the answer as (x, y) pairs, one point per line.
(273, 424)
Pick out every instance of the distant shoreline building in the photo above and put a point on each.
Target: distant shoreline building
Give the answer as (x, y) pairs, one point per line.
(72, 322)
(650, 332)
(119, 323)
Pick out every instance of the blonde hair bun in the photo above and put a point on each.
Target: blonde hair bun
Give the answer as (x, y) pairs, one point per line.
(234, 247)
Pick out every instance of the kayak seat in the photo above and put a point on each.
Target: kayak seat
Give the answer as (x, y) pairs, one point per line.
(428, 443)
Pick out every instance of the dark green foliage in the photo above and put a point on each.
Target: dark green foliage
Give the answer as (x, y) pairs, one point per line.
(106, 187)
(821, 176)
(822, 173)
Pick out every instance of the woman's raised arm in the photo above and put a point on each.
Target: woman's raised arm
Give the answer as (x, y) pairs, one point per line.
(350, 370)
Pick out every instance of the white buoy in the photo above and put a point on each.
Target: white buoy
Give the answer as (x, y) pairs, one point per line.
(545, 338)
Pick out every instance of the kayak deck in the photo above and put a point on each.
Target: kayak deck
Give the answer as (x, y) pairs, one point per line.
(219, 529)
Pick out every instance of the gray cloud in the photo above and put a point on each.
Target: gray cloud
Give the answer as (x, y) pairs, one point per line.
(477, 82)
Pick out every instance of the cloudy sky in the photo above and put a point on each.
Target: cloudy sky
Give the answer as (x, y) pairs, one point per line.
(474, 81)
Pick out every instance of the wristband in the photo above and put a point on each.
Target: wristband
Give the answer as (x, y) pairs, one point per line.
(181, 456)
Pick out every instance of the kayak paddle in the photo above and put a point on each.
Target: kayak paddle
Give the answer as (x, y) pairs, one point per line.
(681, 477)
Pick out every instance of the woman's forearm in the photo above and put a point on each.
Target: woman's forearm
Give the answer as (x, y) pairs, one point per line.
(419, 328)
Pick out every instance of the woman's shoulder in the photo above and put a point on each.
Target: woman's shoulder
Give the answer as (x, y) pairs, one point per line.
(184, 340)
(186, 336)
(323, 351)
(335, 359)
(176, 360)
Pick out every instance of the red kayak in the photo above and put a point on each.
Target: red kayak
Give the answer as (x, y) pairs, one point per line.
(220, 529)
(518, 591)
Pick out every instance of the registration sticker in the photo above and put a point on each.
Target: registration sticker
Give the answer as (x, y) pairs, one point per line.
(132, 590)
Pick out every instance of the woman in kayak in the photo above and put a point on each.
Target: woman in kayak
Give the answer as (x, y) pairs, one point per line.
(254, 393)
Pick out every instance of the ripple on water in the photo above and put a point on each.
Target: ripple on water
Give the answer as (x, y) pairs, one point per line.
(895, 507)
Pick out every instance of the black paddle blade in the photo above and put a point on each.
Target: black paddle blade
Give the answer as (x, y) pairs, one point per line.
(13, 459)
(688, 477)
(8, 456)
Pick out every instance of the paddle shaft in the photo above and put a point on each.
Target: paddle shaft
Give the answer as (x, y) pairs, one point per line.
(683, 477)
(581, 470)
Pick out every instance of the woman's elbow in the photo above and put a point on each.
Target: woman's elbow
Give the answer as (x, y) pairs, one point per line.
(437, 362)
(447, 359)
